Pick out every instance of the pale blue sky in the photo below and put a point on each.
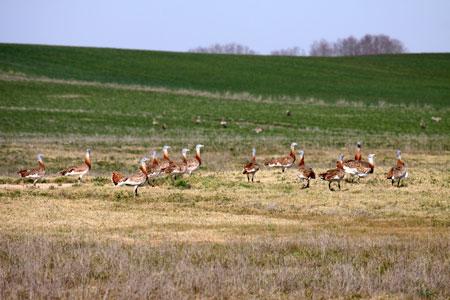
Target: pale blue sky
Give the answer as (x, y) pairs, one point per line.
(176, 25)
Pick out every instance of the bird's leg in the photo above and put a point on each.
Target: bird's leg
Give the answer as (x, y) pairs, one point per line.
(253, 176)
(34, 182)
(136, 190)
(398, 183)
(339, 185)
(307, 182)
(282, 169)
(329, 186)
(79, 179)
(392, 182)
(248, 178)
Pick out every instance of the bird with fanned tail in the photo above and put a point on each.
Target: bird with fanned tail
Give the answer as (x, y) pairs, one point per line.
(251, 167)
(283, 162)
(80, 170)
(176, 169)
(136, 180)
(36, 173)
(305, 173)
(360, 168)
(334, 175)
(399, 171)
(193, 164)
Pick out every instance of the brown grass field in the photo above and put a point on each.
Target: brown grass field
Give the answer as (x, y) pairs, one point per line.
(213, 235)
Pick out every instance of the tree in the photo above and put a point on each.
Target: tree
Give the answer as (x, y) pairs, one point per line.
(351, 46)
(230, 48)
(321, 48)
(294, 51)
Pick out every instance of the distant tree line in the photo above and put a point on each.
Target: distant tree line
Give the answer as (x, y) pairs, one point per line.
(367, 45)
(230, 48)
(351, 46)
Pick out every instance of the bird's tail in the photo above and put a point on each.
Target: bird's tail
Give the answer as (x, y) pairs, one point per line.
(23, 173)
(116, 177)
(390, 173)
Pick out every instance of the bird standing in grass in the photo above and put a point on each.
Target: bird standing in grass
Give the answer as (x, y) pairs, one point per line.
(36, 173)
(153, 168)
(178, 168)
(304, 172)
(251, 167)
(360, 168)
(193, 164)
(399, 171)
(80, 170)
(334, 175)
(135, 180)
(282, 162)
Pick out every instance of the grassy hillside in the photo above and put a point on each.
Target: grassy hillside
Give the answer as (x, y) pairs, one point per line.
(213, 235)
(408, 79)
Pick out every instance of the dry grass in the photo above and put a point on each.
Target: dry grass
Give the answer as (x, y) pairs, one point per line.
(214, 235)
(225, 238)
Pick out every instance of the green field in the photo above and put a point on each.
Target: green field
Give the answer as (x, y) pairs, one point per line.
(213, 235)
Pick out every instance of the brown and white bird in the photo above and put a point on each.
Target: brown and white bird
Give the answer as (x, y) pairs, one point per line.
(36, 173)
(153, 168)
(193, 164)
(80, 170)
(399, 171)
(178, 168)
(166, 161)
(360, 168)
(305, 173)
(282, 162)
(136, 180)
(334, 175)
(251, 167)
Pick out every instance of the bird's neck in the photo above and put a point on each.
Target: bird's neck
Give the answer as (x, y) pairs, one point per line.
(302, 162)
(143, 168)
(41, 165)
(166, 156)
(358, 154)
(292, 154)
(197, 157)
(87, 160)
(339, 164)
(371, 161)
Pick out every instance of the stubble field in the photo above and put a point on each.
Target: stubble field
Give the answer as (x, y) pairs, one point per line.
(213, 235)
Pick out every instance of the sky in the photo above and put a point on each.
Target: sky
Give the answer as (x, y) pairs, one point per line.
(262, 25)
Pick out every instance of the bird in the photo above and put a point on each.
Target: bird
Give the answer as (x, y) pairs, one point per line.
(360, 168)
(334, 175)
(136, 180)
(193, 164)
(178, 168)
(165, 162)
(282, 162)
(224, 123)
(251, 167)
(399, 171)
(305, 172)
(80, 170)
(153, 168)
(36, 173)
